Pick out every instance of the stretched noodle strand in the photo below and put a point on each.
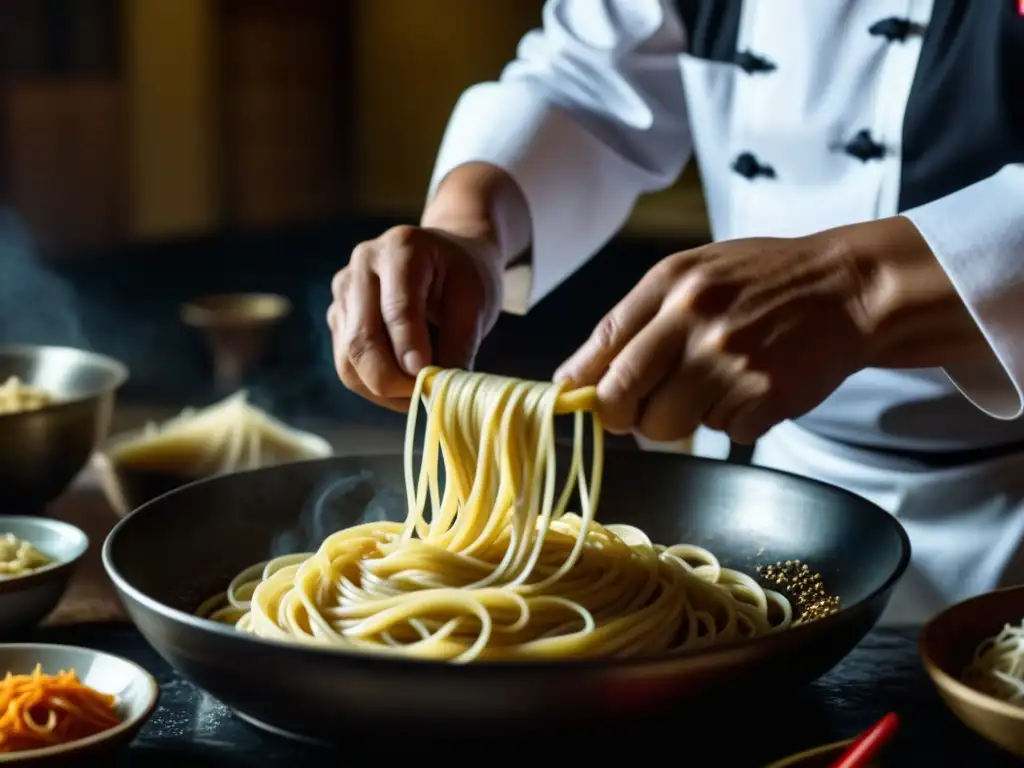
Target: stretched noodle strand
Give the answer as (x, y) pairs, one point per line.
(489, 563)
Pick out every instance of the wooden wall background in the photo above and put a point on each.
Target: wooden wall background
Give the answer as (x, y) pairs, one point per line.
(135, 120)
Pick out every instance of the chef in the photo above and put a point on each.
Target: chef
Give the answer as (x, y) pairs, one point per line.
(860, 313)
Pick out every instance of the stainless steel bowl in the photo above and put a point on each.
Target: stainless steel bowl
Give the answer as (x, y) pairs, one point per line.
(42, 450)
(27, 600)
(180, 549)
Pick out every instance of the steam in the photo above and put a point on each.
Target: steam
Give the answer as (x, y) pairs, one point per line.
(339, 503)
(37, 306)
(128, 309)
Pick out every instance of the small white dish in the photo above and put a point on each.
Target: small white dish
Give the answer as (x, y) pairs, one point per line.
(136, 693)
(27, 599)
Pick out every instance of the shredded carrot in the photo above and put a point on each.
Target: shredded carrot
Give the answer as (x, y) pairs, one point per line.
(43, 710)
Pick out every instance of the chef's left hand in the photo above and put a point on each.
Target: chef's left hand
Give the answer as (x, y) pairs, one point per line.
(743, 334)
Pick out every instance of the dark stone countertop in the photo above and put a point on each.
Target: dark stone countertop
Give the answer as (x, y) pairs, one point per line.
(882, 674)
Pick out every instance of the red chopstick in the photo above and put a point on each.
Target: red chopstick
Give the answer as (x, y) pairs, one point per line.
(870, 743)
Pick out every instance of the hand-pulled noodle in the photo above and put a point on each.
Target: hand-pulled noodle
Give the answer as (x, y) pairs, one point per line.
(490, 563)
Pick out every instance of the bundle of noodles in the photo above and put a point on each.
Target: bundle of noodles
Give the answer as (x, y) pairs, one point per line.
(228, 436)
(998, 665)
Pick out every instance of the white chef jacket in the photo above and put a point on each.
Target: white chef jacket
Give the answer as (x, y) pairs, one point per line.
(608, 102)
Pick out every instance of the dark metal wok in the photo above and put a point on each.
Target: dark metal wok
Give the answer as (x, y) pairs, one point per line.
(183, 547)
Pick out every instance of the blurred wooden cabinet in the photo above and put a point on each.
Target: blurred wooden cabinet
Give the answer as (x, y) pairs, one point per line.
(63, 132)
(147, 119)
(238, 112)
(142, 119)
(284, 97)
(64, 162)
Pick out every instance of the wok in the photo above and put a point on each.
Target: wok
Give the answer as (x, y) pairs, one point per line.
(181, 548)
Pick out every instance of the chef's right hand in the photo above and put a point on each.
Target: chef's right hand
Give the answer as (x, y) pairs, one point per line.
(391, 289)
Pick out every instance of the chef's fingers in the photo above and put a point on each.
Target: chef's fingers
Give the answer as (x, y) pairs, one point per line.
(336, 322)
(590, 362)
(740, 391)
(460, 321)
(346, 371)
(365, 340)
(754, 410)
(638, 369)
(351, 380)
(397, 404)
(332, 317)
(405, 279)
(674, 409)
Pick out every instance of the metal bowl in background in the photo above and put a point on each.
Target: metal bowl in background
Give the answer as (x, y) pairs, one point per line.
(26, 600)
(238, 328)
(182, 548)
(42, 450)
(127, 487)
(235, 310)
(947, 645)
(135, 690)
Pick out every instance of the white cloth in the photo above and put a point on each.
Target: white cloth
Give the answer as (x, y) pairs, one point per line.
(964, 537)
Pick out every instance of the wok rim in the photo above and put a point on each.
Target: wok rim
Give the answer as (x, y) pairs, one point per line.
(429, 666)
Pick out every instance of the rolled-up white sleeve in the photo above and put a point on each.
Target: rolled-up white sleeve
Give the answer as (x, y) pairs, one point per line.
(977, 234)
(589, 116)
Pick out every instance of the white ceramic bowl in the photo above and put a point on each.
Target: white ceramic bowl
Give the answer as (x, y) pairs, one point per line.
(136, 691)
(26, 600)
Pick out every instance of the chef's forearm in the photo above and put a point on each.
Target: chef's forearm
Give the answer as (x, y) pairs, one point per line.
(481, 201)
(915, 317)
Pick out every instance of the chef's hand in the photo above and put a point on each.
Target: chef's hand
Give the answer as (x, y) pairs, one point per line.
(392, 288)
(744, 334)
